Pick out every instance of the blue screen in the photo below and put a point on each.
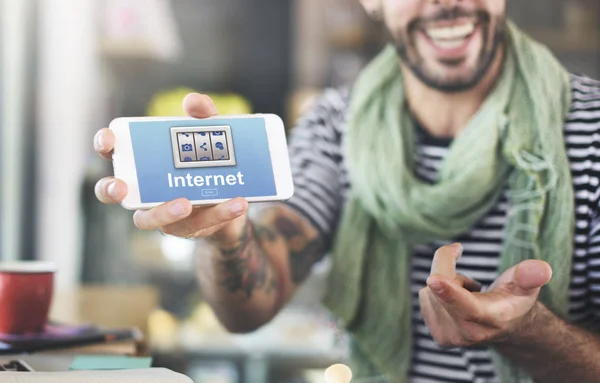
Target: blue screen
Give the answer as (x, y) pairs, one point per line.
(160, 181)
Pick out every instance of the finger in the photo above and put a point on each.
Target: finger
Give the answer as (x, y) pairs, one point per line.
(104, 143)
(219, 214)
(110, 190)
(444, 260)
(428, 311)
(524, 279)
(468, 283)
(431, 309)
(163, 215)
(199, 106)
(202, 219)
(455, 299)
(441, 322)
(532, 274)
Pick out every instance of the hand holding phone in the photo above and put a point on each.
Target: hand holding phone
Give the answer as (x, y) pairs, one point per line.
(154, 175)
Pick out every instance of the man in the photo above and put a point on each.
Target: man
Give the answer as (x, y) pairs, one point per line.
(462, 131)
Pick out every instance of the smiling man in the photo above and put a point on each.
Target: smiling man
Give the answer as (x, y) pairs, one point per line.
(463, 130)
(446, 48)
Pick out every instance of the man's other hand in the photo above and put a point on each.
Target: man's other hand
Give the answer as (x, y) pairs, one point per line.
(458, 314)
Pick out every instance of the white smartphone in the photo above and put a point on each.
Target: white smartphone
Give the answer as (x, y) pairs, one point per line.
(208, 161)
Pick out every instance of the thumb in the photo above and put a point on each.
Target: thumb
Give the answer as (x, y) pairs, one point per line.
(530, 275)
(199, 106)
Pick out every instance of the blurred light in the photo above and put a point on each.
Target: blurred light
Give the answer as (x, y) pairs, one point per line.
(338, 373)
(177, 250)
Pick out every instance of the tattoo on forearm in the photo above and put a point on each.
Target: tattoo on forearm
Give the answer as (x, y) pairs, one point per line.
(245, 267)
(263, 234)
(303, 252)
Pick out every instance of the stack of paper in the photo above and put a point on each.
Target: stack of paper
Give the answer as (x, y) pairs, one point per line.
(151, 375)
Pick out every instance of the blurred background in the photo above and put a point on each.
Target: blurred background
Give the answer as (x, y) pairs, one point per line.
(70, 66)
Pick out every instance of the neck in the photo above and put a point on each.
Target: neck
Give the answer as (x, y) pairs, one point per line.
(452, 111)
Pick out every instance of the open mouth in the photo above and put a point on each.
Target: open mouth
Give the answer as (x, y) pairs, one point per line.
(451, 37)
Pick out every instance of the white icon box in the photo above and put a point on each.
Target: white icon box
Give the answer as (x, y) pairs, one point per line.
(202, 146)
(219, 146)
(185, 144)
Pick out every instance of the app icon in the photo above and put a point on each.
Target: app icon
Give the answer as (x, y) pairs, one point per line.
(201, 147)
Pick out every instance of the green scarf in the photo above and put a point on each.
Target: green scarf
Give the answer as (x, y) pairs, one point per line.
(515, 140)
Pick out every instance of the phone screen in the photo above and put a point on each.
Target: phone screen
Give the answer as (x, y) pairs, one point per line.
(202, 159)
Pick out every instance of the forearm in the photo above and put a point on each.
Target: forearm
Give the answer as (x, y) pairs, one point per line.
(552, 350)
(239, 281)
(247, 280)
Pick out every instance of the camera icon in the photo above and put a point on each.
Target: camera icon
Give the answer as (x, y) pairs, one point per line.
(186, 148)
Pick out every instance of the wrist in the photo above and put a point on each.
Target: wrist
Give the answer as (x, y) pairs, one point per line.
(224, 243)
(232, 235)
(528, 329)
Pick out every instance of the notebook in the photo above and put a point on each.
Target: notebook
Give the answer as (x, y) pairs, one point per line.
(60, 336)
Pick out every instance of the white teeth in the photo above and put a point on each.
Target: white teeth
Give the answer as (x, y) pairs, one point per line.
(451, 33)
(449, 44)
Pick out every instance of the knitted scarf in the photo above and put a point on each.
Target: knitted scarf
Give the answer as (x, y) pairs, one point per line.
(515, 139)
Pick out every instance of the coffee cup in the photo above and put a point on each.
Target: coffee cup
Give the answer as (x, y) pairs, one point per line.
(26, 289)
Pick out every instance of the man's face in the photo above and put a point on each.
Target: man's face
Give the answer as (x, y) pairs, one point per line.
(448, 44)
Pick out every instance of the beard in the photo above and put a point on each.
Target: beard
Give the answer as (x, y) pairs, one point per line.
(406, 48)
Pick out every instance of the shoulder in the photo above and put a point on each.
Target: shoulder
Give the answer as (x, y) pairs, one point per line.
(584, 117)
(327, 113)
(585, 99)
(582, 136)
(333, 100)
(583, 85)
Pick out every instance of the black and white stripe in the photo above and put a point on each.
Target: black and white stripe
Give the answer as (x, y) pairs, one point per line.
(321, 182)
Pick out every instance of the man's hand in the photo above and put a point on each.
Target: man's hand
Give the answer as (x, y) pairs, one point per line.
(224, 222)
(247, 268)
(459, 315)
(509, 318)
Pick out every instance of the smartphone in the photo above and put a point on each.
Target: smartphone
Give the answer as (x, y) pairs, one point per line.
(208, 161)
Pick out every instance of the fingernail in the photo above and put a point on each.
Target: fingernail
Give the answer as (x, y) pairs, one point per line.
(437, 287)
(112, 190)
(99, 145)
(210, 102)
(237, 208)
(177, 209)
(458, 247)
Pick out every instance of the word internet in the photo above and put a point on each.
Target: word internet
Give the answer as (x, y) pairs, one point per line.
(210, 180)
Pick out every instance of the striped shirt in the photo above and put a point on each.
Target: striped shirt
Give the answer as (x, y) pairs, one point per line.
(321, 186)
